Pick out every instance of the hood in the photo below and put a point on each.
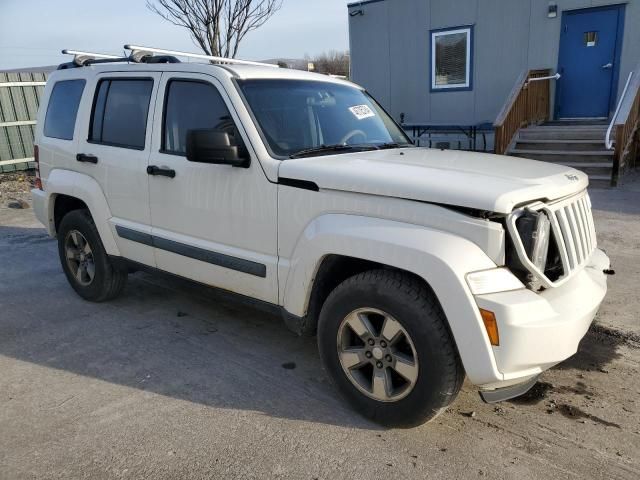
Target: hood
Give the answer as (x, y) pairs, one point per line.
(481, 181)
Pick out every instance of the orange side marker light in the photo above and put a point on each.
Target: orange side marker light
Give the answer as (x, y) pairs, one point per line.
(491, 326)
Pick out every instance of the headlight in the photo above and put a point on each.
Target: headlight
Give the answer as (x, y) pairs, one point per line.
(535, 229)
(492, 281)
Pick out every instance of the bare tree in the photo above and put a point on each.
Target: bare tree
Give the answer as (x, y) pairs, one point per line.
(216, 26)
(335, 63)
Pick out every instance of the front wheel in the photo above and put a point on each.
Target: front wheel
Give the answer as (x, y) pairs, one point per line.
(385, 342)
(85, 261)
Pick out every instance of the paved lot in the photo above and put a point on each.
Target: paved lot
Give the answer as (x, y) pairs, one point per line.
(172, 381)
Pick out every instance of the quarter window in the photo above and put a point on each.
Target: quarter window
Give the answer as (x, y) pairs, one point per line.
(120, 112)
(192, 105)
(62, 110)
(451, 59)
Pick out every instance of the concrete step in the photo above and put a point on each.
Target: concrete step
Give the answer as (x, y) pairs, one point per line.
(579, 165)
(584, 126)
(563, 156)
(555, 133)
(575, 145)
(600, 181)
(594, 167)
(576, 123)
(569, 145)
(591, 169)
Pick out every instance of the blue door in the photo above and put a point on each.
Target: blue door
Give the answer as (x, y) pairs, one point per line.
(587, 62)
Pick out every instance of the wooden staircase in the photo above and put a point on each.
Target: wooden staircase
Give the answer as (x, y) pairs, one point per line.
(580, 146)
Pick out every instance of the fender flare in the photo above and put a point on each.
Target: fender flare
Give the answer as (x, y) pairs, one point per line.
(87, 189)
(438, 257)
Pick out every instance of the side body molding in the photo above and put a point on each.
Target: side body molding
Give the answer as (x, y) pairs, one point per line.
(440, 258)
(85, 188)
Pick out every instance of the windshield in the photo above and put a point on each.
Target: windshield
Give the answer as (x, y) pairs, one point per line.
(301, 117)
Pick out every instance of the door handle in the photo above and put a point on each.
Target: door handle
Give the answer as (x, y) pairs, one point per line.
(85, 158)
(607, 65)
(163, 172)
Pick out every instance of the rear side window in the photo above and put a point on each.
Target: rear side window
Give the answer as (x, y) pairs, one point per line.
(120, 112)
(192, 105)
(62, 110)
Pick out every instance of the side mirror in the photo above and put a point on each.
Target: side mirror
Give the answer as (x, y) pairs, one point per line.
(215, 146)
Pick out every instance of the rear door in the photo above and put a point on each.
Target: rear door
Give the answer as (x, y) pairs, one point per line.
(216, 224)
(57, 130)
(115, 149)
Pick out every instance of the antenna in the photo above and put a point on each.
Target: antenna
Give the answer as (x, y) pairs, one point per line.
(139, 52)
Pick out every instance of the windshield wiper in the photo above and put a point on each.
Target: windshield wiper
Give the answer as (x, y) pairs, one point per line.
(389, 145)
(339, 147)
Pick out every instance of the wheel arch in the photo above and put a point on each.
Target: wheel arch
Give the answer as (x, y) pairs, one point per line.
(67, 191)
(332, 270)
(63, 204)
(344, 245)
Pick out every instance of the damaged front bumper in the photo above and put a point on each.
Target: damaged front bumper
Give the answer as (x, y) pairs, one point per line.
(507, 393)
(541, 329)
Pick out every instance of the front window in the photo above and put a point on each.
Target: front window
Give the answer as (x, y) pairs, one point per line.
(301, 118)
(451, 59)
(192, 105)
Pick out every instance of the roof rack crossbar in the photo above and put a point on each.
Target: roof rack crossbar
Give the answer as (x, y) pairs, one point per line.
(81, 58)
(148, 55)
(138, 51)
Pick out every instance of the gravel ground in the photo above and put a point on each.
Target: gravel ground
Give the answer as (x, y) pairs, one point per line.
(14, 189)
(173, 380)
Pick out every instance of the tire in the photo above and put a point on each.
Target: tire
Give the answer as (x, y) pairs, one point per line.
(106, 282)
(396, 299)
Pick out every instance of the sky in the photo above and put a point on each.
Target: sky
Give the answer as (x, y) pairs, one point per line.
(32, 32)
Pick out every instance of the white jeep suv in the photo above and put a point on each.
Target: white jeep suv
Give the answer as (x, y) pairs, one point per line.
(413, 266)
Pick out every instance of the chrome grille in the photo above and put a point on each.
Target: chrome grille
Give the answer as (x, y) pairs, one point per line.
(575, 233)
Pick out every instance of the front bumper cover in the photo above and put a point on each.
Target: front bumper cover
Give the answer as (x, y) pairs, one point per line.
(507, 393)
(539, 330)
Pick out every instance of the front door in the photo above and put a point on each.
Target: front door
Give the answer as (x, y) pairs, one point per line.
(216, 224)
(587, 62)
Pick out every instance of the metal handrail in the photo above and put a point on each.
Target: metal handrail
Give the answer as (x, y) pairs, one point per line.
(608, 143)
(537, 79)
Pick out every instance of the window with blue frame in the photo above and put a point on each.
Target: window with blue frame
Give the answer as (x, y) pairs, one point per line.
(451, 58)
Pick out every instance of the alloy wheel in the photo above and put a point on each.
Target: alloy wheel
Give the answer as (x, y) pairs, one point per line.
(377, 354)
(79, 258)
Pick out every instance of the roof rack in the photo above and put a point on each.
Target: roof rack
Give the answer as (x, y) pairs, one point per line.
(81, 58)
(78, 53)
(147, 55)
(138, 53)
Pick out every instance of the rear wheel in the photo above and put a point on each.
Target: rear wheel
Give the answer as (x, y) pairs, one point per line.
(385, 342)
(85, 261)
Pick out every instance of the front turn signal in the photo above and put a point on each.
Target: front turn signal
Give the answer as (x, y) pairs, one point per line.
(491, 326)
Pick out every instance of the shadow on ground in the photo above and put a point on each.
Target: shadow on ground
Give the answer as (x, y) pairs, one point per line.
(163, 335)
(598, 349)
(169, 336)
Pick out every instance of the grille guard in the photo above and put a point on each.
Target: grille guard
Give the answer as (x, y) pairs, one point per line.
(573, 231)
